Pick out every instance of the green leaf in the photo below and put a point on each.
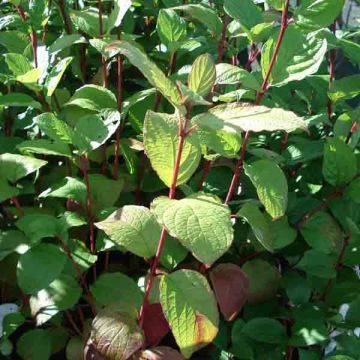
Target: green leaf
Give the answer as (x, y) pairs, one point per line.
(353, 315)
(298, 289)
(353, 190)
(271, 186)
(318, 264)
(11, 241)
(34, 344)
(93, 97)
(202, 75)
(300, 55)
(265, 330)
(240, 117)
(173, 253)
(39, 226)
(318, 13)
(202, 224)
(135, 228)
(204, 15)
(44, 147)
(227, 74)
(264, 280)
(194, 319)
(161, 143)
(14, 41)
(61, 294)
(121, 7)
(14, 167)
(322, 233)
(19, 100)
(91, 131)
(7, 191)
(345, 88)
(54, 128)
(55, 75)
(340, 164)
(18, 64)
(259, 224)
(245, 11)
(283, 234)
(149, 69)
(116, 334)
(87, 20)
(116, 287)
(171, 29)
(65, 41)
(39, 266)
(276, 4)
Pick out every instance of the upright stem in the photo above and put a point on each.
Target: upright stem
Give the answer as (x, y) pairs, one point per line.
(182, 137)
(67, 24)
(259, 96)
(16, 202)
(84, 165)
(222, 42)
(332, 59)
(101, 33)
(119, 105)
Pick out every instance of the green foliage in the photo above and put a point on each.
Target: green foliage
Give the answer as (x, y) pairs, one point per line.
(179, 172)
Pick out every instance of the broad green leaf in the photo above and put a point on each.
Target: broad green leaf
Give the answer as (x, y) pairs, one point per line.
(81, 255)
(54, 128)
(318, 13)
(340, 164)
(116, 334)
(259, 224)
(161, 142)
(322, 233)
(14, 41)
(91, 131)
(240, 117)
(110, 288)
(271, 186)
(194, 319)
(14, 167)
(18, 64)
(19, 100)
(276, 4)
(159, 353)
(264, 280)
(225, 143)
(202, 224)
(7, 191)
(265, 330)
(353, 315)
(56, 74)
(189, 96)
(204, 15)
(353, 190)
(244, 11)
(297, 287)
(30, 78)
(87, 20)
(61, 294)
(173, 253)
(39, 266)
(34, 344)
(44, 147)
(318, 264)
(345, 88)
(93, 97)
(171, 29)
(300, 55)
(202, 75)
(39, 226)
(135, 228)
(283, 234)
(149, 69)
(12, 241)
(69, 188)
(227, 74)
(120, 9)
(65, 41)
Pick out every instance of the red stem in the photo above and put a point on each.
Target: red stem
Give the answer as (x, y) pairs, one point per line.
(332, 59)
(72, 322)
(318, 208)
(222, 42)
(16, 202)
(172, 191)
(84, 165)
(67, 24)
(119, 105)
(206, 170)
(259, 96)
(351, 132)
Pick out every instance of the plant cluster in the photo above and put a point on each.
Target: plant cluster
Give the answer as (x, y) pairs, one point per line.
(178, 179)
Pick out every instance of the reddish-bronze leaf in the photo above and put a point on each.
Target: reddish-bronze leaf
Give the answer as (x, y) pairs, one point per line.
(155, 325)
(231, 286)
(90, 352)
(159, 353)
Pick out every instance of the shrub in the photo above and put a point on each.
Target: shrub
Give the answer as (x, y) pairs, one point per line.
(178, 180)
